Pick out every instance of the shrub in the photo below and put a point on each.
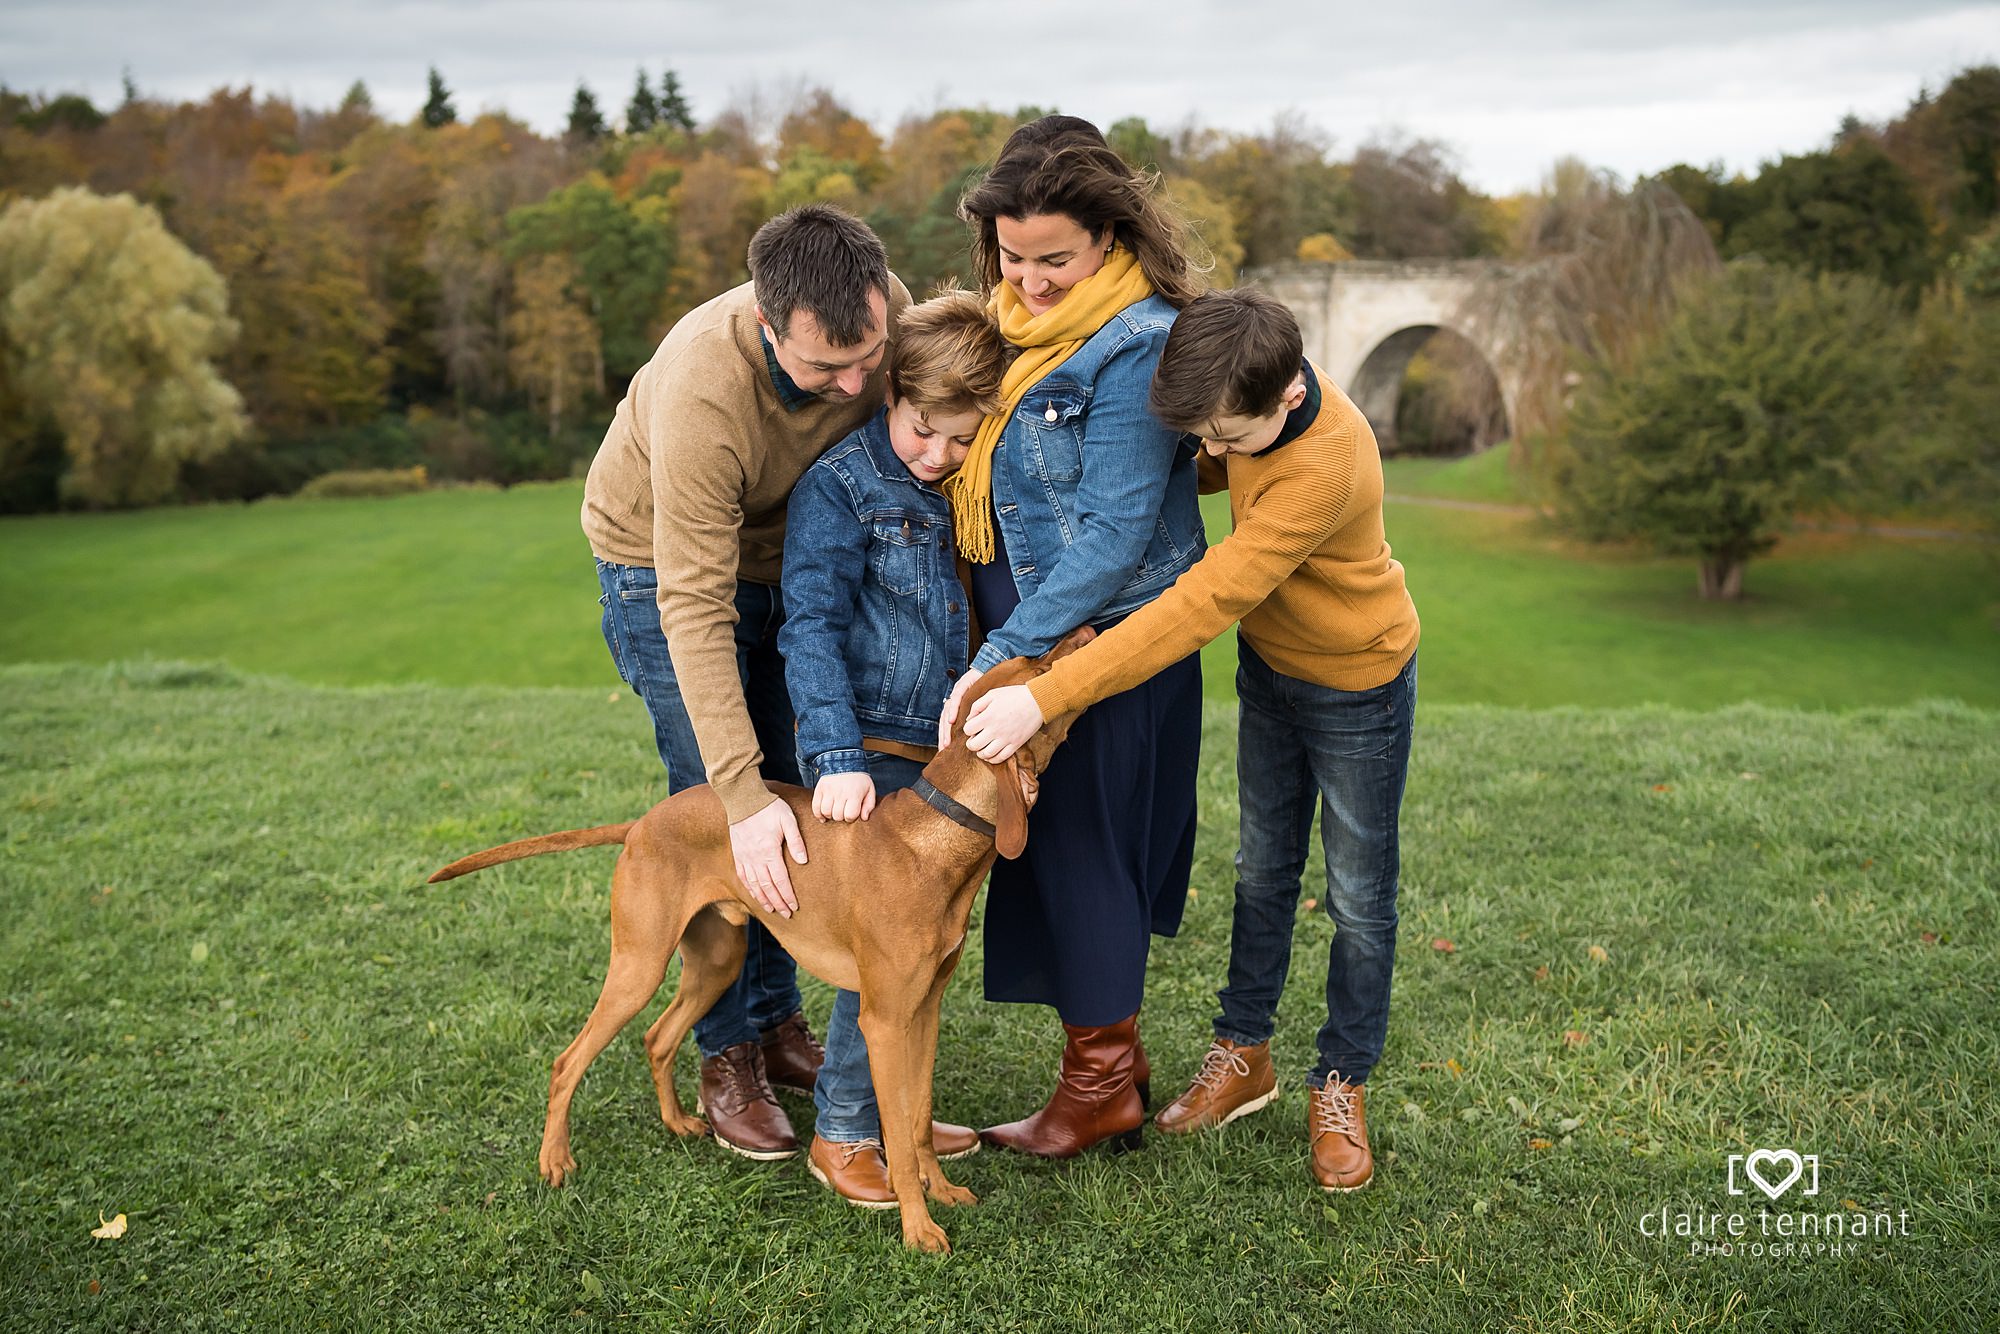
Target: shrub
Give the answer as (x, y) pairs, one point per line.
(366, 482)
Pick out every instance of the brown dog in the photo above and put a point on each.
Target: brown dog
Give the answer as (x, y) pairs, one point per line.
(883, 905)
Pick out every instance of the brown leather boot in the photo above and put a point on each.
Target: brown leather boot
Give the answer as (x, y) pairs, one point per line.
(1233, 1081)
(857, 1172)
(792, 1055)
(737, 1100)
(1096, 1098)
(1337, 1124)
(949, 1141)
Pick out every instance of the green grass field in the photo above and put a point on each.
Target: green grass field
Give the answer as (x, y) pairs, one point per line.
(231, 1010)
(495, 588)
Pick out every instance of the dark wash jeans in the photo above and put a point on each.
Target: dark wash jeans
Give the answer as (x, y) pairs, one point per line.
(767, 990)
(1347, 752)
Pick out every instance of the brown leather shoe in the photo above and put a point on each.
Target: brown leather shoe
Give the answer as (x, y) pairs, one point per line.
(1233, 1081)
(949, 1141)
(856, 1171)
(736, 1098)
(1337, 1124)
(792, 1055)
(1096, 1098)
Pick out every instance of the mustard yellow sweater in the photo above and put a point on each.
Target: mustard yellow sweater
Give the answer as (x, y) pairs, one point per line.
(691, 481)
(1305, 569)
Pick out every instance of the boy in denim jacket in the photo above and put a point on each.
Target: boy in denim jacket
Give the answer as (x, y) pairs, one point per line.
(876, 632)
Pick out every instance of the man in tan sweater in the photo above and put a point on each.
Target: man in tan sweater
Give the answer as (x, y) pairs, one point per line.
(1326, 688)
(685, 511)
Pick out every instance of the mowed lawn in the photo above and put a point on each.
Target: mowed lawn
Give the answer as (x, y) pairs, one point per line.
(496, 588)
(1635, 942)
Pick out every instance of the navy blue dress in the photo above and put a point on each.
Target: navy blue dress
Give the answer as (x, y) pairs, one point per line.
(1110, 842)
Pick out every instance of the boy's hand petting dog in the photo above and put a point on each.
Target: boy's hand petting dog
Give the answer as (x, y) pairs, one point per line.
(844, 797)
(1002, 722)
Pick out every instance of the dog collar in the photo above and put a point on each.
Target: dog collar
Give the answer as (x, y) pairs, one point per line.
(950, 809)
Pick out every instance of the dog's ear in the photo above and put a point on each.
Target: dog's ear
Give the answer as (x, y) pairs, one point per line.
(1016, 795)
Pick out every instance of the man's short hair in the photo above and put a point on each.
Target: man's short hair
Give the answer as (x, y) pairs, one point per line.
(949, 357)
(820, 260)
(1230, 354)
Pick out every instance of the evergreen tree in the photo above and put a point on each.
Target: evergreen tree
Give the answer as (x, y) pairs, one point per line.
(674, 108)
(438, 110)
(586, 122)
(642, 113)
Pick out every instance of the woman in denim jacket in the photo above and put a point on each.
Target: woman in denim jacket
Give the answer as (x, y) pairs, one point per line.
(1076, 506)
(876, 631)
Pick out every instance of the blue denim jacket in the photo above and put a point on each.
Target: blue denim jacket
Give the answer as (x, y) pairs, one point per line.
(1095, 499)
(876, 627)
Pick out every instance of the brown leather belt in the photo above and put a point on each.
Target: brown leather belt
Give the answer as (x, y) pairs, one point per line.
(900, 749)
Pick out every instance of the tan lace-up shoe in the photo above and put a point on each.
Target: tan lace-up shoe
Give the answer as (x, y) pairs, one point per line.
(856, 1172)
(1233, 1081)
(1337, 1124)
(736, 1098)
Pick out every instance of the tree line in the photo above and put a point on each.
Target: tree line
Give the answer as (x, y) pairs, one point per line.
(470, 295)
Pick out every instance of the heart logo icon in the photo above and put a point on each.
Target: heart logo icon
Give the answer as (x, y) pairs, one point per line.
(1773, 1157)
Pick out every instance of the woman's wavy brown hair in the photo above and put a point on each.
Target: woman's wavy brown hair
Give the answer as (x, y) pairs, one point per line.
(1061, 164)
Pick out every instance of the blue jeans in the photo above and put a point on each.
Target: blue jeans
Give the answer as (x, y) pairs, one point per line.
(767, 989)
(844, 1096)
(1348, 752)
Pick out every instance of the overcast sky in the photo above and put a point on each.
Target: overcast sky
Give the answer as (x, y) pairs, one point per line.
(1509, 86)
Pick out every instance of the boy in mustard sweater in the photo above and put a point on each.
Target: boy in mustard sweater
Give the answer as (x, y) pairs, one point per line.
(1326, 684)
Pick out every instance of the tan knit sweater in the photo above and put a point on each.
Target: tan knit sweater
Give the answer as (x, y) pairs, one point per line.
(692, 480)
(1305, 569)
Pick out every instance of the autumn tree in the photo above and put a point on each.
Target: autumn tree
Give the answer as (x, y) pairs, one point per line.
(621, 255)
(1755, 403)
(1409, 203)
(108, 328)
(552, 344)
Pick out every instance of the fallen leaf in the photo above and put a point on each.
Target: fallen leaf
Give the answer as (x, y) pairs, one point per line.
(95, 1287)
(1570, 1124)
(1929, 937)
(1539, 1143)
(491, 1195)
(1413, 1112)
(593, 1286)
(1574, 1037)
(1749, 777)
(1851, 1204)
(1598, 954)
(1455, 1068)
(1193, 893)
(110, 1231)
(1867, 864)
(1443, 946)
(198, 951)
(1310, 904)
(1663, 787)
(611, 698)
(1542, 973)
(1517, 1107)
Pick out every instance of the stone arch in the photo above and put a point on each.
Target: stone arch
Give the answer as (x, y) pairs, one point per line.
(1377, 384)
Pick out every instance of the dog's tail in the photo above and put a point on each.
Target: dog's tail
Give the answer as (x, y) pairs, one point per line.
(566, 841)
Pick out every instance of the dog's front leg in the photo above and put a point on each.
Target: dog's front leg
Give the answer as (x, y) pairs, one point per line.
(925, 1036)
(891, 1061)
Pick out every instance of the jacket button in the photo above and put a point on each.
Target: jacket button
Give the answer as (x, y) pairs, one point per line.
(951, 607)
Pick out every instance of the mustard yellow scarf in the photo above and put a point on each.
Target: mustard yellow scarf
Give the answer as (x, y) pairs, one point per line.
(1046, 341)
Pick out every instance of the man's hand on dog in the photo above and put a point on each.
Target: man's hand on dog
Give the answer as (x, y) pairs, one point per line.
(1001, 723)
(951, 706)
(758, 843)
(844, 797)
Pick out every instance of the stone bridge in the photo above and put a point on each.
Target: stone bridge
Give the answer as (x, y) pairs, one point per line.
(1364, 319)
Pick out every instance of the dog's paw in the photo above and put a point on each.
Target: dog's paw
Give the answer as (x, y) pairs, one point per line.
(557, 1165)
(945, 1193)
(924, 1234)
(686, 1126)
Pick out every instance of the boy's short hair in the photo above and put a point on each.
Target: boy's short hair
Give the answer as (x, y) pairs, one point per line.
(949, 356)
(1230, 354)
(820, 260)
